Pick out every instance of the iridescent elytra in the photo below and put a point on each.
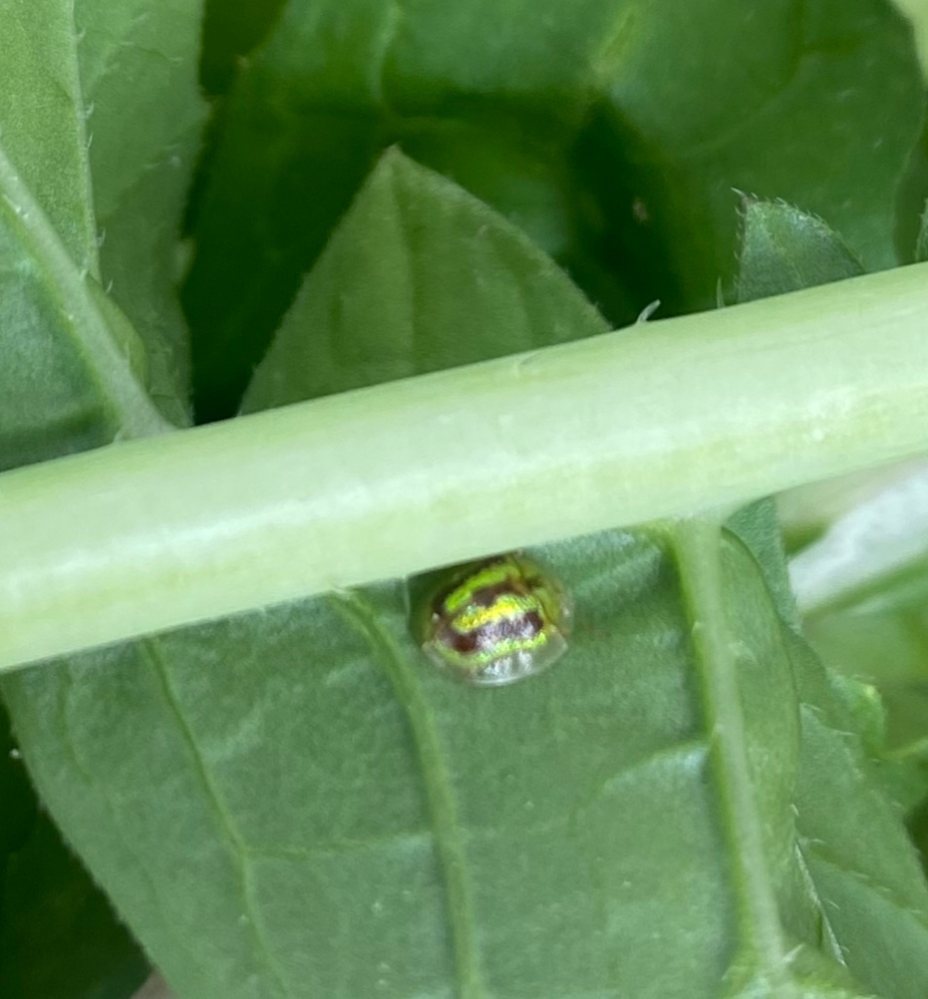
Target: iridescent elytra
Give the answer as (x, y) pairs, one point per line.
(497, 621)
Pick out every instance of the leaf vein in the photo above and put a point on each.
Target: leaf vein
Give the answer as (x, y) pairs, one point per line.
(239, 849)
(698, 545)
(68, 285)
(437, 781)
(69, 744)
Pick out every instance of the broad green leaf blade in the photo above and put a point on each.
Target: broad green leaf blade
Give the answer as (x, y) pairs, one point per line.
(613, 132)
(784, 249)
(195, 870)
(73, 371)
(796, 91)
(756, 525)
(43, 113)
(138, 71)
(427, 301)
(99, 116)
(74, 374)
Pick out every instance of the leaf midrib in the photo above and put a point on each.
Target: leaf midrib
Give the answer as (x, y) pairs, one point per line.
(131, 404)
(149, 650)
(442, 806)
(125, 839)
(698, 548)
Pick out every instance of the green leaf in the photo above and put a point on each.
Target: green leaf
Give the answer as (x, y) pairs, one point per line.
(613, 132)
(427, 301)
(73, 371)
(100, 119)
(44, 112)
(854, 846)
(138, 70)
(795, 87)
(783, 249)
(756, 525)
(295, 164)
(58, 936)
(297, 803)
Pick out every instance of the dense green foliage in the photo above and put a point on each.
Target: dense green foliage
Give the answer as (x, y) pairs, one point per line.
(293, 802)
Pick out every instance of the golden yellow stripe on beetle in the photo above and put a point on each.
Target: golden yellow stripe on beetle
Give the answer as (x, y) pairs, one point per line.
(507, 607)
(494, 575)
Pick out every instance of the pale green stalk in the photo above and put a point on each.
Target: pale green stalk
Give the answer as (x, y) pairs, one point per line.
(661, 420)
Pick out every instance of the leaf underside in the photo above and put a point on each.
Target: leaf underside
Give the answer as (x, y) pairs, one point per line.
(295, 803)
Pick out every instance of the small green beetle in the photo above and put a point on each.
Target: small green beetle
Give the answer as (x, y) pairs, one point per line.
(496, 621)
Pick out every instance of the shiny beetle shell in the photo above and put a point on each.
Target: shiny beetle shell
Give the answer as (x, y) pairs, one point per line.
(497, 621)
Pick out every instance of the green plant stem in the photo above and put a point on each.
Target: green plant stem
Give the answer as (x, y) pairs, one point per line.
(764, 947)
(661, 420)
